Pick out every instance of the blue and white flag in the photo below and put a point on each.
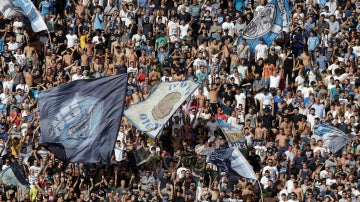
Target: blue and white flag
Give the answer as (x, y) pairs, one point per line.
(37, 22)
(268, 23)
(12, 176)
(80, 120)
(150, 115)
(232, 134)
(332, 137)
(8, 9)
(231, 160)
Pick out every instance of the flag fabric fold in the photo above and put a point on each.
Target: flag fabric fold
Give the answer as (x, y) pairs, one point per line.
(150, 115)
(231, 160)
(79, 121)
(141, 156)
(8, 9)
(268, 23)
(12, 176)
(37, 22)
(232, 134)
(332, 137)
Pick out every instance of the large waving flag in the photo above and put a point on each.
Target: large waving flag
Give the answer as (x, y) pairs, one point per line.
(79, 121)
(232, 134)
(268, 23)
(12, 176)
(8, 9)
(231, 160)
(151, 115)
(333, 138)
(37, 22)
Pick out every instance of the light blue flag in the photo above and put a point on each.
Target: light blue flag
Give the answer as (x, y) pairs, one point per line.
(12, 176)
(332, 137)
(8, 9)
(80, 120)
(231, 160)
(268, 23)
(37, 22)
(150, 115)
(232, 134)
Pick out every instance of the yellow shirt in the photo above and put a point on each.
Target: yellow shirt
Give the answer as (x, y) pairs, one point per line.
(83, 39)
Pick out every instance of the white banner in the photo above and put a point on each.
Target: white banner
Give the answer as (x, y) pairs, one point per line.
(37, 22)
(151, 115)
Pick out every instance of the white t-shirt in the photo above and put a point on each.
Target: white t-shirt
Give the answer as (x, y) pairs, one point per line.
(230, 26)
(356, 50)
(261, 51)
(275, 81)
(305, 91)
(173, 28)
(70, 40)
(240, 99)
(183, 30)
(299, 80)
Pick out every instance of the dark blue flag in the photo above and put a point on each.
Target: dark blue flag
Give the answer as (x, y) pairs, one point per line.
(79, 121)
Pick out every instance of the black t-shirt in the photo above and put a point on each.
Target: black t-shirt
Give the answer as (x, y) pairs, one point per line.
(185, 16)
(272, 59)
(267, 121)
(7, 56)
(229, 97)
(258, 69)
(288, 63)
(271, 151)
(255, 162)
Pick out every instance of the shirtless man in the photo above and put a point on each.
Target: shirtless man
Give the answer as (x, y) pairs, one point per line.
(67, 58)
(28, 49)
(287, 126)
(135, 98)
(116, 43)
(80, 9)
(131, 57)
(282, 139)
(304, 127)
(201, 98)
(214, 95)
(119, 56)
(215, 191)
(298, 191)
(85, 61)
(154, 76)
(307, 60)
(52, 57)
(96, 65)
(260, 131)
(89, 47)
(178, 76)
(109, 66)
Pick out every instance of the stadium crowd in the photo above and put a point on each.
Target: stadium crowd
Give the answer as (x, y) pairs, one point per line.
(275, 96)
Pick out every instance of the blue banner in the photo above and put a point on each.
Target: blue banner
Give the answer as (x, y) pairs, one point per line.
(231, 160)
(37, 22)
(268, 23)
(332, 137)
(232, 134)
(79, 121)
